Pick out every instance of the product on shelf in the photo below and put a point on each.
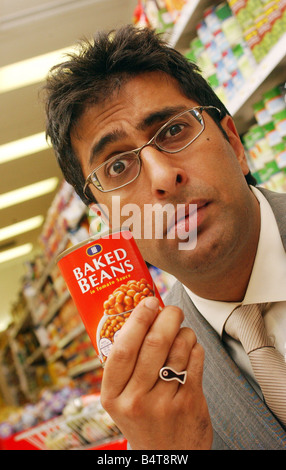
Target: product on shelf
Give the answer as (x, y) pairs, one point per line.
(62, 326)
(50, 404)
(79, 351)
(59, 285)
(262, 21)
(82, 424)
(265, 141)
(69, 318)
(27, 345)
(274, 100)
(158, 14)
(19, 309)
(59, 373)
(61, 225)
(221, 52)
(89, 382)
(45, 317)
(174, 7)
(139, 16)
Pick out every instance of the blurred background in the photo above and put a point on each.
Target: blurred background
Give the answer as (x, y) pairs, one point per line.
(34, 35)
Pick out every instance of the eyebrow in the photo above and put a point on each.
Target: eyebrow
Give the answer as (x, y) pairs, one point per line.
(153, 118)
(159, 116)
(107, 139)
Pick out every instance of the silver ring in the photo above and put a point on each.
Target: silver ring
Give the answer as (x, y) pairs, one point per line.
(168, 374)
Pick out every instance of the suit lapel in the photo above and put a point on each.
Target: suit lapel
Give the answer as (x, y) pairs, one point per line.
(277, 202)
(239, 417)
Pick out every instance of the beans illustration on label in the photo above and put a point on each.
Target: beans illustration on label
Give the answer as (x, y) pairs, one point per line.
(120, 304)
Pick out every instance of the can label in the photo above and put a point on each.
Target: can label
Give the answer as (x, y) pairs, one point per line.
(107, 277)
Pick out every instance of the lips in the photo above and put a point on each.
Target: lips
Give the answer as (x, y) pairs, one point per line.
(187, 217)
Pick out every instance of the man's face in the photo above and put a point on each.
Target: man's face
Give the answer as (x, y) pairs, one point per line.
(209, 173)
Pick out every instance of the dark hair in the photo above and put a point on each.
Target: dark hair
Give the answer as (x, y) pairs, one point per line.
(100, 67)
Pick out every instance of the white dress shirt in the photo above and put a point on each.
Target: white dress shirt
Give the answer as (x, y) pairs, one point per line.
(267, 284)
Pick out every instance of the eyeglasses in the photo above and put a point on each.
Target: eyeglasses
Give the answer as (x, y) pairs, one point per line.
(175, 135)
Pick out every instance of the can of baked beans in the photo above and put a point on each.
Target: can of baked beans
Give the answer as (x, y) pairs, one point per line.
(107, 277)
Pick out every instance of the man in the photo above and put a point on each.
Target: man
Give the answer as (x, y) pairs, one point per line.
(130, 117)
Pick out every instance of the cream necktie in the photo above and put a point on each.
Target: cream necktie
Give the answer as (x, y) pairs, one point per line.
(246, 325)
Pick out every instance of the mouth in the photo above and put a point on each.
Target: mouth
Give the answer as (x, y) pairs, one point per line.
(187, 218)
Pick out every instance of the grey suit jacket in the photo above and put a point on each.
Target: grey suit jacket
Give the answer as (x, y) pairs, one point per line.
(240, 418)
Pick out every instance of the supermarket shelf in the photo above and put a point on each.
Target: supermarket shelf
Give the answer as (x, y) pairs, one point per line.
(84, 425)
(54, 357)
(116, 444)
(72, 335)
(64, 342)
(85, 367)
(185, 28)
(25, 442)
(55, 307)
(268, 74)
(40, 282)
(45, 311)
(24, 320)
(264, 69)
(35, 356)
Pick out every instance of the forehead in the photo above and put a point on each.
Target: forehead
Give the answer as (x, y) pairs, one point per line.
(141, 88)
(139, 95)
(140, 104)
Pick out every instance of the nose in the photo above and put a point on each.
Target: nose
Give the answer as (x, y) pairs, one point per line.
(163, 171)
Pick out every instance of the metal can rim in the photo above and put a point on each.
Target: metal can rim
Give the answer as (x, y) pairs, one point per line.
(88, 240)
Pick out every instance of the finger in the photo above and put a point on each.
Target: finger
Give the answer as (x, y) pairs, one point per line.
(123, 355)
(155, 349)
(195, 368)
(178, 359)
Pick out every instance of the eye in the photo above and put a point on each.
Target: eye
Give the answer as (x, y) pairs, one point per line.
(116, 168)
(119, 166)
(174, 130)
(175, 134)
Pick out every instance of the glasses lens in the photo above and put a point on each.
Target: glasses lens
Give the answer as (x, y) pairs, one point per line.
(118, 171)
(180, 131)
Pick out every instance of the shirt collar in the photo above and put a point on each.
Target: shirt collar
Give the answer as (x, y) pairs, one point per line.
(268, 277)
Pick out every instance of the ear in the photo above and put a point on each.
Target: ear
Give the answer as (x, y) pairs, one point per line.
(228, 125)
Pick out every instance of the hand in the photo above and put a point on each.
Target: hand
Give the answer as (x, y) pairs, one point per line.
(152, 413)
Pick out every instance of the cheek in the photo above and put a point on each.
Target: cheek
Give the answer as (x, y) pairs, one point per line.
(154, 252)
(145, 247)
(219, 164)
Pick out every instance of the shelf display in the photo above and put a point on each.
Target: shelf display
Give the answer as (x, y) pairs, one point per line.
(81, 424)
(45, 318)
(158, 14)
(267, 73)
(9, 379)
(221, 52)
(225, 55)
(263, 23)
(49, 405)
(47, 357)
(265, 141)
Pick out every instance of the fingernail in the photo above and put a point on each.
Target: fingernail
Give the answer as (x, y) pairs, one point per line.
(152, 303)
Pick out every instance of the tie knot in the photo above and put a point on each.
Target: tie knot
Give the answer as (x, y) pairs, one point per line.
(246, 325)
